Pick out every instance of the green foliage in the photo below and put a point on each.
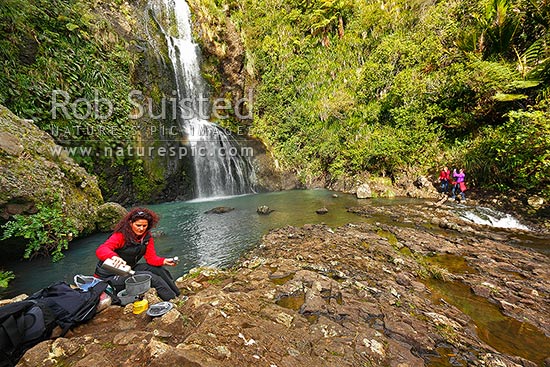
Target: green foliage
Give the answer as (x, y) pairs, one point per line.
(353, 86)
(48, 231)
(515, 155)
(68, 46)
(62, 46)
(348, 103)
(5, 278)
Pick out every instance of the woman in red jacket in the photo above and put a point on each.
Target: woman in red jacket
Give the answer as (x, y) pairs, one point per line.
(444, 179)
(130, 242)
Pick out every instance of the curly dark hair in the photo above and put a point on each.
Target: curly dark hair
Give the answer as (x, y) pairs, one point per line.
(124, 226)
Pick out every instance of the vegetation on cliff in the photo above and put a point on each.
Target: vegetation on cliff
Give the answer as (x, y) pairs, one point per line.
(70, 66)
(350, 86)
(63, 46)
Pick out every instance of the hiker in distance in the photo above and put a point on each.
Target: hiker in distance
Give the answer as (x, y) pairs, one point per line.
(460, 185)
(444, 178)
(130, 242)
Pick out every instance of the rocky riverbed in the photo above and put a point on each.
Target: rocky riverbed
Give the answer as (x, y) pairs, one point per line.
(365, 294)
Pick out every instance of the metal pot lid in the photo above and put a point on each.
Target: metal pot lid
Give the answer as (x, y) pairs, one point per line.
(159, 309)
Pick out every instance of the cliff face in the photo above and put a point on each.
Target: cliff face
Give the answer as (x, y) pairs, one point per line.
(147, 177)
(34, 169)
(224, 52)
(120, 50)
(109, 51)
(228, 66)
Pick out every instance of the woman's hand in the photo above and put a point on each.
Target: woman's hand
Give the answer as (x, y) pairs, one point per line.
(118, 261)
(170, 262)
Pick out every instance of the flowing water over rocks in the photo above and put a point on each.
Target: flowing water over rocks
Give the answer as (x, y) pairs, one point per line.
(358, 295)
(221, 166)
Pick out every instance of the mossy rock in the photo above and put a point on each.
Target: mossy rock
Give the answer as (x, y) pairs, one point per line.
(108, 215)
(32, 171)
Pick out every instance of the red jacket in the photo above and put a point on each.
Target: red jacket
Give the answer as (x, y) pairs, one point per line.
(107, 250)
(445, 175)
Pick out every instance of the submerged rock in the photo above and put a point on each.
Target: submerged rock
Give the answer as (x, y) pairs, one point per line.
(219, 210)
(322, 211)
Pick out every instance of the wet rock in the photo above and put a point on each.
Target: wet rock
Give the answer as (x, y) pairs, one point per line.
(507, 306)
(313, 297)
(491, 360)
(481, 291)
(155, 232)
(514, 285)
(322, 211)
(219, 210)
(443, 320)
(264, 210)
(403, 280)
(450, 225)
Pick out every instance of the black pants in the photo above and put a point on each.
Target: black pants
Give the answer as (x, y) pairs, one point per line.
(161, 280)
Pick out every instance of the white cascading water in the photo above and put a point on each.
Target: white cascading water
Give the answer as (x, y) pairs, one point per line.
(222, 167)
(491, 217)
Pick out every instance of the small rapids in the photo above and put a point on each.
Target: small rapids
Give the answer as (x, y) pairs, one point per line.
(491, 217)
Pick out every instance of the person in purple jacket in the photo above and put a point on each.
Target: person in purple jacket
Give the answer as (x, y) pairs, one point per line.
(459, 185)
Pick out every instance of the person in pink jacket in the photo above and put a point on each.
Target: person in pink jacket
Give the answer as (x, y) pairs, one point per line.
(130, 242)
(459, 185)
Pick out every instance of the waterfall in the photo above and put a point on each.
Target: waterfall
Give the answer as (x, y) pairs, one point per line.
(222, 167)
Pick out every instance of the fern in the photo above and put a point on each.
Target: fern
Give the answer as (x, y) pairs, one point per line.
(5, 277)
(48, 231)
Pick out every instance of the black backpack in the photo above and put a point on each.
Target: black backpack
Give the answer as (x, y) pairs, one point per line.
(26, 323)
